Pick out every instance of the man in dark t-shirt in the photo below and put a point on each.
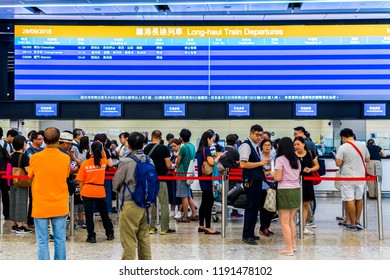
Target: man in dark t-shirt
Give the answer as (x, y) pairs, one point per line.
(162, 161)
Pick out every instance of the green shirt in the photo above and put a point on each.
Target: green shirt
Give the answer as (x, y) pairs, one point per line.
(187, 153)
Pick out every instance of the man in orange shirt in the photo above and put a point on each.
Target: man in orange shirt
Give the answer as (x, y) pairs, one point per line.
(49, 170)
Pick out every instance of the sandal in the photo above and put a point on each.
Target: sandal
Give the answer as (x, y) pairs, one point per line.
(201, 229)
(183, 220)
(343, 223)
(209, 232)
(194, 218)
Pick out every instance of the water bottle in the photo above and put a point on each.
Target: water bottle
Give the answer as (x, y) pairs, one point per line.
(272, 165)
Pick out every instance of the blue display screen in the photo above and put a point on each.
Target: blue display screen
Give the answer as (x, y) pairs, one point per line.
(174, 110)
(110, 110)
(202, 63)
(306, 110)
(239, 110)
(46, 109)
(375, 110)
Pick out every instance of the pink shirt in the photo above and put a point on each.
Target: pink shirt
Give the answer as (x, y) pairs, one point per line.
(290, 177)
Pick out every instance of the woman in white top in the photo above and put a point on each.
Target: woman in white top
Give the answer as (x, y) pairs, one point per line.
(287, 170)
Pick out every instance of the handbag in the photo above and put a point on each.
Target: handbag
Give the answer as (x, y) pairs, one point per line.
(207, 169)
(191, 172)
(316, 174)
(270, 200)
(19, 171)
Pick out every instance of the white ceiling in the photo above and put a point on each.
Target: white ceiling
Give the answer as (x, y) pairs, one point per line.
(194, 10)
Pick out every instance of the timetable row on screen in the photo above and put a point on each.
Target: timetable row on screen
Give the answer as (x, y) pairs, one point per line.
(295, 41)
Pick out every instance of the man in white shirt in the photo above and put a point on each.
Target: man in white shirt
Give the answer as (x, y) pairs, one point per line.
(351, 158)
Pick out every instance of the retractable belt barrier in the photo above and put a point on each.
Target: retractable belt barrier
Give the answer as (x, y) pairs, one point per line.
(233, 175)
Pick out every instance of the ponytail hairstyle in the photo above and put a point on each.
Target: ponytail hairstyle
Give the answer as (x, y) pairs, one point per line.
(97, 151)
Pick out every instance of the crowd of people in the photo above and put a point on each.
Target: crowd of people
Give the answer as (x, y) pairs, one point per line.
(66, 163)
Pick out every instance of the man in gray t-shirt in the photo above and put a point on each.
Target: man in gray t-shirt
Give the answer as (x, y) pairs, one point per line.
(352, 164)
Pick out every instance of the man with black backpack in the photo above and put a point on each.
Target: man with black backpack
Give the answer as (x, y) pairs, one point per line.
(134, 173)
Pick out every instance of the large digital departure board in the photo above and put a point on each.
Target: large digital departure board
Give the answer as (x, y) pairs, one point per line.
(202, 63)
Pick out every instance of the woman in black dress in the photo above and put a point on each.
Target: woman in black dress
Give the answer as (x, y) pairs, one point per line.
(309, 164)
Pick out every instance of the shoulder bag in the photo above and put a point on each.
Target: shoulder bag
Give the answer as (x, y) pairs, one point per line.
(191, 169)
(270, 200)
(19, 171)
(314, 173)
(207, 169)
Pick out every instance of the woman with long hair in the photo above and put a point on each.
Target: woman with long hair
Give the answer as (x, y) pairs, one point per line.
(83, 149)
(308, 165)
(287, 170)
(204, 154)
(92, 190)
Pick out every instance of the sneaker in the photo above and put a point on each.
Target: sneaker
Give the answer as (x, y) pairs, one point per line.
(23, 230)
(110, 236)
(152, 230)
(236, 215)
(265, 232)
(359, 226)
(114, 210)
(14, 229)
(308, 232)
(165, 232)
(311, 225)
(177, 215)
(350, 228)
(82, 224)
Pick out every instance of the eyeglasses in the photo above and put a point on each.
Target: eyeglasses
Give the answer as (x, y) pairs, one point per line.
(258, 134)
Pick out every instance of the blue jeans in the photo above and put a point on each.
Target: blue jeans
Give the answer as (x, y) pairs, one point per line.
(42, 235)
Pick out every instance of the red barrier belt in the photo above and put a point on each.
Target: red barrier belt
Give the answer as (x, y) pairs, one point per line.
(169, 178)
(339, 178)
(14, 177)
(178, 178)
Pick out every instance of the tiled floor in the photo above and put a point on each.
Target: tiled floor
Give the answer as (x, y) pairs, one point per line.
(331, 242)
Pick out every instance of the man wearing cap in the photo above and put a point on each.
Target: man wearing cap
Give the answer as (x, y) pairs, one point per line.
(66, 140)
(49, 170)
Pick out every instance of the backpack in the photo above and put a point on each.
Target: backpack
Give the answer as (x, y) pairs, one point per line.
(146, 184)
